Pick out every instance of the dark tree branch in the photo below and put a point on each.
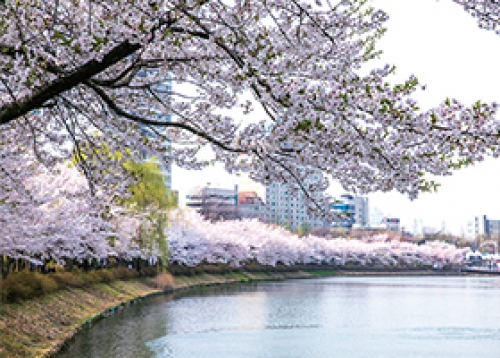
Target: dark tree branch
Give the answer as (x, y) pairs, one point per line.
(9, 50)
(64, 83)
(139, 119)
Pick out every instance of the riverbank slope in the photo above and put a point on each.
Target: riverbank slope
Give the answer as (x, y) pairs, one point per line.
(39, 327)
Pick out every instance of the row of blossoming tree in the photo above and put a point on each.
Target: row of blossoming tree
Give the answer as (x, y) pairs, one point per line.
(194, 241)
(55, 220)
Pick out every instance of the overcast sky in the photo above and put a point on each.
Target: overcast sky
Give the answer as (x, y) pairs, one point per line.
(442, 45)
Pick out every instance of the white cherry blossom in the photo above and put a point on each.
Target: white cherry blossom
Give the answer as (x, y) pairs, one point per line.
(194, 241)
(73, 71)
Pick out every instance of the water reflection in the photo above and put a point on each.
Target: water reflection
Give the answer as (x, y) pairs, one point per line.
(336, 317)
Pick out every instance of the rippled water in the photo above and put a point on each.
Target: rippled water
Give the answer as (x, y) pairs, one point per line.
(332, 317)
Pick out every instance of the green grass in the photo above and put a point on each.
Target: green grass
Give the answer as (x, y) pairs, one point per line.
(322, 273)
(240, 277)
(106, 288)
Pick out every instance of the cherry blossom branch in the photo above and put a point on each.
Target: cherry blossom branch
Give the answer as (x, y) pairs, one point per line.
(17, 109)
(139, 119)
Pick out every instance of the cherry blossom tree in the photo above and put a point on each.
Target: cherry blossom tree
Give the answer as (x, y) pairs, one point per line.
(50, 215)
(487, 12)
(194, 240)
(87, 73)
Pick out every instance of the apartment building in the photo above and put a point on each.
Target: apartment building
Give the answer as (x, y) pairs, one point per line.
(288, 210)
(356, 209)
(482, 227)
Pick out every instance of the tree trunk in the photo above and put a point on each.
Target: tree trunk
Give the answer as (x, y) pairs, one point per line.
(11, 265)
(68, 265)
(85, 265)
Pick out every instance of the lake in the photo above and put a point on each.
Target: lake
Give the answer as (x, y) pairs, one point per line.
(425, 316)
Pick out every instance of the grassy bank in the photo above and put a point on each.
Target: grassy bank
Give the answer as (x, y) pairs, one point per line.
(38, 326)
(30, 328)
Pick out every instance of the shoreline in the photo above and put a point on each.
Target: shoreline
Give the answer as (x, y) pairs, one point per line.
(182, 284)
(401, 273)
(65, 313)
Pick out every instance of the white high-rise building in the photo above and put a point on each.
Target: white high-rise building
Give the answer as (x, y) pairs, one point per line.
(482, 227)
(288, 210)
(362, 211)
(376, 218)
(418, 227)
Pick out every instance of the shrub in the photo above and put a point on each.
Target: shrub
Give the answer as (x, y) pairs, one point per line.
(67, 279)
(106, 275)
(47, 283)
(164, 281)
(217, 268)
(4, 292)
(177, 269)
(123, 273)
(16, 287)
(24, 285)
(92, 277)
(149, 271)
(30, 282)
(60, 268)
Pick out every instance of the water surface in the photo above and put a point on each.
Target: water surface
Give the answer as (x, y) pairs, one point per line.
(332, 317)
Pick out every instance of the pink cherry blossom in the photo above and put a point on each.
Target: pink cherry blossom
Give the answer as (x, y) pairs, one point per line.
(80, 76)
(193, 240)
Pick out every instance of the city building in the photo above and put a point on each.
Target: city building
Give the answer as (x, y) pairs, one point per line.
(246, 184)
(288, 210)
(494, 229)
(362, 211)
(391, 224)
(376, 218)
(214, 203)
(162, 90)
(251, 206)
(345, 205)
(429, 231)
(418, 228)
(356, 209)
(482, 227)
